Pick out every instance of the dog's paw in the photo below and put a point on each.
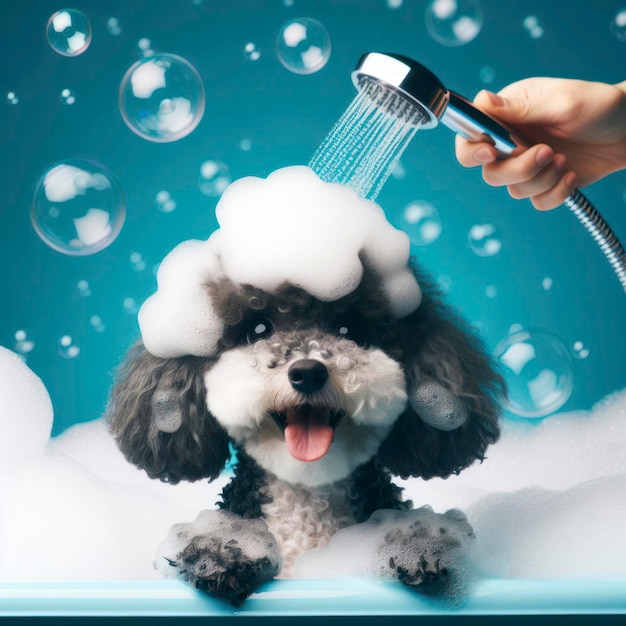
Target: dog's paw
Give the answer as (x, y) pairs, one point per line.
(427, 551)
(221, 553)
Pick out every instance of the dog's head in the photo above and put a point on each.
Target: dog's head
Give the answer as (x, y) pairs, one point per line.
(300, 332)
(312, 389)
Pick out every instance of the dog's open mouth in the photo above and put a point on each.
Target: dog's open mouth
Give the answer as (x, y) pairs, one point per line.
(308, 430)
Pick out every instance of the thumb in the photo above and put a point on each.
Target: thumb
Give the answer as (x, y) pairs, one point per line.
(511, 110)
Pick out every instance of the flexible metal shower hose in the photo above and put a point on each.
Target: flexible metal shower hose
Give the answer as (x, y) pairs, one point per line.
(601, 232)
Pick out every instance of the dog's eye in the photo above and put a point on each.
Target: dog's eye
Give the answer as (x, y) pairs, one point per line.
(259, 329)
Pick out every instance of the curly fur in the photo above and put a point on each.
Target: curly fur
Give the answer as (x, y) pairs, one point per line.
(227, 400)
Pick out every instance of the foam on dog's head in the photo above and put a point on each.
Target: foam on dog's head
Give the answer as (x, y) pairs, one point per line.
(291, 227)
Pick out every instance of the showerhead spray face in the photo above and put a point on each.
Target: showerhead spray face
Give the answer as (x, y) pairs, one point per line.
(388, 78)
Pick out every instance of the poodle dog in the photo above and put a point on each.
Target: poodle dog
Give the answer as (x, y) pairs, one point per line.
(322, 401)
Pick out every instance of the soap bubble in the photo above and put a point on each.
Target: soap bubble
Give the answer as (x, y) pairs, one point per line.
(245, 145)
(161, 98)
(24, 341)
(67, 348)
(130, 305)
(491, 291)
(145, 47)
(164, 202)
(213, 178)
(78, 207)
(399, 171)
(113, 26)
(394, 4)
(445, 282)
(531, 24)
(68, 97)
(421, 222)
(137, 262)
(618, 25)
(12, 98)
(251, 52)
(487, 74)
(547, 283)
(68, 32)
(454, 22)
(303, 46)
(539, 371)
(483, 240)
(83, 288)
(580, 350)
(97, 324)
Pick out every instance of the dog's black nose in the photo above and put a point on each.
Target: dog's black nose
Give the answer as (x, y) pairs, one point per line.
(307, 375)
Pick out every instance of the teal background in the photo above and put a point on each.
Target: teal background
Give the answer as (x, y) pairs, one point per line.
(285, 116)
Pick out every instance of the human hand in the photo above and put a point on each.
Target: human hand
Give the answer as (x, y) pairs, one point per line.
(580, 132)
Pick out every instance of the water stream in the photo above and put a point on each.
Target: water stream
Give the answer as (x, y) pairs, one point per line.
(366, 143)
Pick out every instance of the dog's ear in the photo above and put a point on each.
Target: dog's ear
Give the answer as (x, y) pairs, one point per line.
(454, 394)
(157, 413)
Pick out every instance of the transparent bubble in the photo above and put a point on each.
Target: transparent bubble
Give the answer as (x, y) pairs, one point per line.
(303, 46)
(491, 291)
(68, 32)
(539, 371)
(251, 52)
(245, 145)
(145, 47)
(399, 171)
(454, 22)
(12, 98)
(164, 202)
(68, 97)
(130, 305)
(97, 324)
(445, 282)
(213, 178)
(161, 98)
(83, 288)
(113, 27)
(137, 262)
(618, 25)
(67, 348)
(483, 240)
(394, 4)
(24, 341)
(78, 207)
(487, 74)
(580, 350)
(546, 283)
(531, 24)
(421, 222)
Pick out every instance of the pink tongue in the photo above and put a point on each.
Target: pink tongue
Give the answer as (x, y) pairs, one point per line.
(308, 435)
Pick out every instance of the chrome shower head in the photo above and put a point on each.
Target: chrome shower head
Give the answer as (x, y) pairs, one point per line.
(405, 88)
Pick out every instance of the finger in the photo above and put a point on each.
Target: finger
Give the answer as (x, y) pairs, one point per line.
(472, 154)
(547, 178)
(557, 195)
(518, 169)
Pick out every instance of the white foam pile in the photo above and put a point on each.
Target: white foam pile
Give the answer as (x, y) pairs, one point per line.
(290, 227)
(550, 501)
(71, 507)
